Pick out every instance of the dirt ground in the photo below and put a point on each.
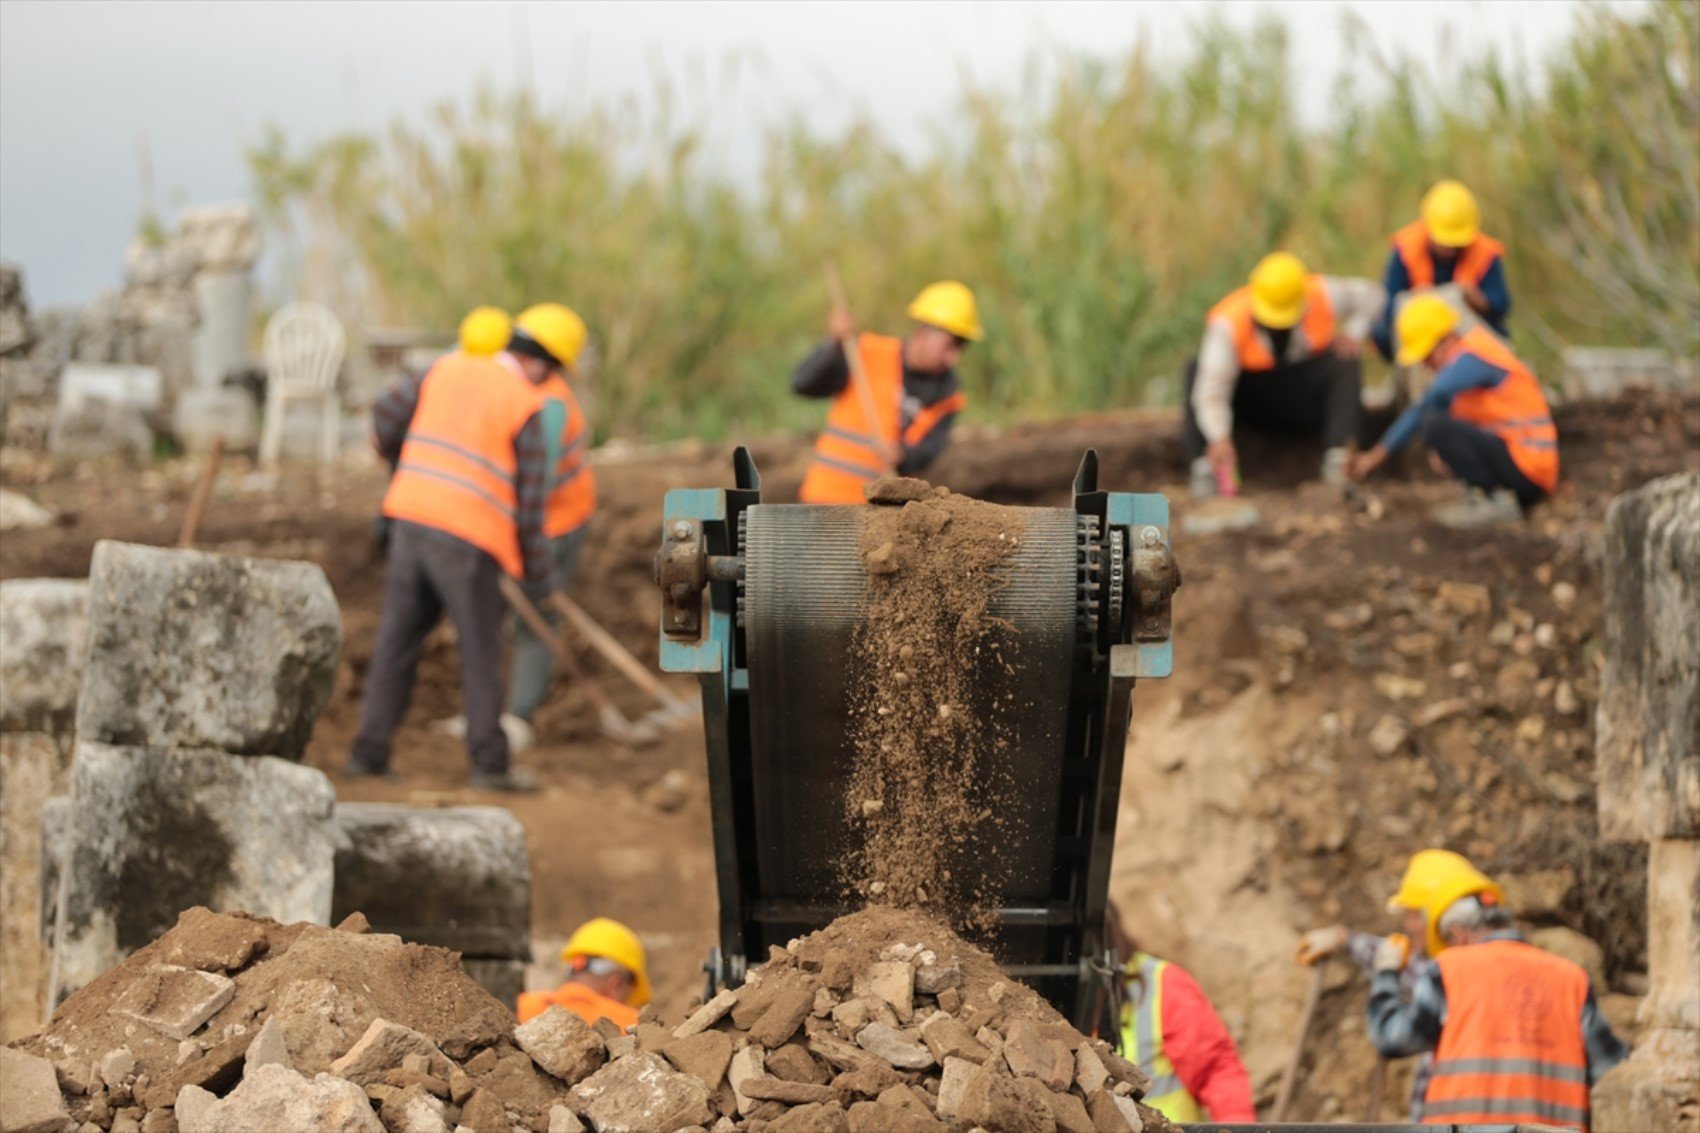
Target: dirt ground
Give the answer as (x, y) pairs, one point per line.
(1255, 806)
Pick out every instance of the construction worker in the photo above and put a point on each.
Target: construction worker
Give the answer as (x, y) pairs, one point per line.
(571, 503)
(607, 977)
(1516, 1034)
(1285, 353)
(1171, 1030)
(467, 499)
(1484, 418)
(901, 422)
(1446, 246)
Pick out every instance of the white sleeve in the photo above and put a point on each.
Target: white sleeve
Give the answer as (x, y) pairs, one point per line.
(1213, 386)
(1357, 304)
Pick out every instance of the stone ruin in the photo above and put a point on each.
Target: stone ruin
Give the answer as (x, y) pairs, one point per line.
(883, 1022)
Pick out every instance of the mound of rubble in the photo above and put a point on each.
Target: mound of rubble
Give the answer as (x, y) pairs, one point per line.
(884, 1022)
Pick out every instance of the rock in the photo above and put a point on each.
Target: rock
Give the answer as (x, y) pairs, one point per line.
(869, 1082)
(484, 1113)
(562, 1044)
(261, 830)
(768, 1088)
(227, 413)
(455, 877)
(899, 1048)
(845, 1056)
(746, 1066)
(20, 513)
(1466, 598)
(564, 1120)
(790, 1006)
(1656, 1088)
(1431, 714)
(979, 1097)
(1388, 736)
(896, 490)
(30, 1101)
(194, 650)
(277, 1098)
(892, 981)
(414, 1110)
(99, 429)
(948, 1038)
(794, 1063)
(670, 792)
(931, 979)
(33, 769)
(707, 1015)
(1069, 1112)
(870, 1117)
(1089, 1072)
(1111, 1114)
(1539, 893)
(44, 623)
(704, 1055)
(1396, 687)
(642, 1093)
(1031, 1054)
(174, 1001)
(382, 1049)
(818, 1118)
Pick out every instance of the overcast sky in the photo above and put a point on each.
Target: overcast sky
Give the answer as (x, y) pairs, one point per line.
(81, 83)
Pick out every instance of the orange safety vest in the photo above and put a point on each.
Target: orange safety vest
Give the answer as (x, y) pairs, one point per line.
(572, 497)
(1515, 410)
(457, 466)
(581, 1001)
(1234, 312)
(847, 455)
(1412, 244)
(1511, 1050)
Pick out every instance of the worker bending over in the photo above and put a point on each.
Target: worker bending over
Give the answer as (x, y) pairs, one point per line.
(1446, 246)
(1484, 417)
(1282, 353)
(901, 421)
(467, 500)
(571, 503)
(1170, 1029)
(606, 976)
(1516, 1034)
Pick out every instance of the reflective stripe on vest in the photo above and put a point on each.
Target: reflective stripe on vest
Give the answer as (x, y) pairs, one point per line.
(847, 453)
(1142, 1034)
(1412, 244)
(1512, 1049)
(1515, 410)
(572, 496)
(457, 467)
(1252, 345)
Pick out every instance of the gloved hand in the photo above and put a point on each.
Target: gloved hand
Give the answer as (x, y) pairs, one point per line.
(1319, 944)
(1392, 954)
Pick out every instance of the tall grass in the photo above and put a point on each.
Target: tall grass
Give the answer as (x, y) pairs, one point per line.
(1097, 210)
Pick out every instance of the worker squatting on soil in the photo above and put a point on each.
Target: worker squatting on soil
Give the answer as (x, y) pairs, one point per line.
(469, 499)
(900, 422)
(1484, 418)
(1171, 1030)
(1508, 1033)
(608, 977)
(1283, 353)
(1445, 246)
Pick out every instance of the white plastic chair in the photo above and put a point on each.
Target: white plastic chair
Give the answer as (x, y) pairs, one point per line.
(304, 345)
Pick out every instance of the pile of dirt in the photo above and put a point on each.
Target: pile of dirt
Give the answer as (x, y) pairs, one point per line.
(883, 1021)
(922, 725)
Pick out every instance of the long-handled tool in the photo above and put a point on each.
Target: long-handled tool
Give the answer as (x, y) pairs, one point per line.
(1290, 1079)
(203, 492)
(674, 714)
(1377, 1089)
(858, 375)
(613, 722)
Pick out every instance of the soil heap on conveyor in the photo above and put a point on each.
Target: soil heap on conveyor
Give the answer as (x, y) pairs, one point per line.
(883, 1022)
(922, 732)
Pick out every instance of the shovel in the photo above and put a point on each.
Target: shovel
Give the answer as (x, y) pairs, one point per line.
(612, 721)
(675, 715)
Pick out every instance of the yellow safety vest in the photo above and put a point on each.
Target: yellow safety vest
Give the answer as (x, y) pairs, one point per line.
(1142, 1039)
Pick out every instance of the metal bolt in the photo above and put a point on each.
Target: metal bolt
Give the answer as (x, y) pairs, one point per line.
(681, 530)
(679, 616)
(1150, 536)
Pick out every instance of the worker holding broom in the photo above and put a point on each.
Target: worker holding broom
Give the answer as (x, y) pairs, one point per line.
(472, 472)
(893, 400)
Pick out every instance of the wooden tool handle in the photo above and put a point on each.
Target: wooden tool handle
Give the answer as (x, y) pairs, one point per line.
(618, 655)
(203, 493)
(1290, 1079)
(858, 374)
(528, 612)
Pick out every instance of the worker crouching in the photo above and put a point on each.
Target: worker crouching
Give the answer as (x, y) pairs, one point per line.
(1516, 1033)
(895, 414)
(607, 976)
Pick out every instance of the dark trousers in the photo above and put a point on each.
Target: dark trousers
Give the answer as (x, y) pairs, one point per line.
(1319, 396)
(1478, 457)
(430, 572)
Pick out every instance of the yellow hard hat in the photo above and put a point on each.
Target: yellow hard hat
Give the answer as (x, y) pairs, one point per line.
(557, 329)
(1435, 879)
(485, 330)
(1421, 324)
(1278, 291)
(612, 940)
(949, 306)
(1450, 214)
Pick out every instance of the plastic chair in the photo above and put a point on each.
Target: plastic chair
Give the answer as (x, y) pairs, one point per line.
(304, 345)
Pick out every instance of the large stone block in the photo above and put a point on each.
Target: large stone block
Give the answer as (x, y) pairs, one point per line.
(456, 877)
(194, 650)
(226, 413)
(44, 625)
(153, 833)
(1648, 720)
(1673, 936)
(1658, 1087)
(32, 769)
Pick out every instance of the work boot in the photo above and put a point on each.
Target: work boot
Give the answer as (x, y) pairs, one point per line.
(1334, 463)
(521, 735)
(1478, 509)
(1202, 481)
(361, 771)
(515, 780)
